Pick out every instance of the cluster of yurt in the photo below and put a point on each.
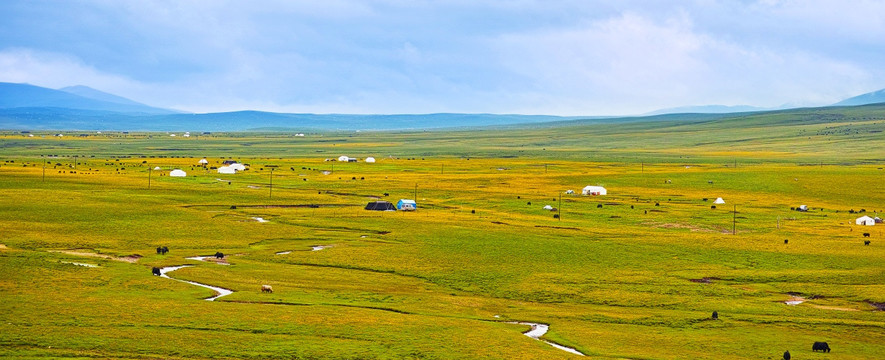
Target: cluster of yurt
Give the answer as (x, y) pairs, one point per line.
(231, 168)
(345, 158)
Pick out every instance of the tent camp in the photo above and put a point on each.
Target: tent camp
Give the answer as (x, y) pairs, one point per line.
(344, 158)
(594, 190)
(203, 162)
(865, 220)
(370, 160)
(380, 206)
(719, 201)
(181, 173)
(238, 167)
(406, 205)
(226, 170)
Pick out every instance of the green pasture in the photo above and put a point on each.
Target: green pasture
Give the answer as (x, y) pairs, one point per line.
(635, 274)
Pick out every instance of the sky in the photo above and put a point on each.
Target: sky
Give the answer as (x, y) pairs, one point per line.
(554, 57)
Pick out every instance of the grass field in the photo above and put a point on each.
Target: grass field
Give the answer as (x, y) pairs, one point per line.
(635, 274)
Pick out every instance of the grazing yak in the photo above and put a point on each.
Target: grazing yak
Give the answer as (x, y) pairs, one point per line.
(715, 315)
(866, 234)
(266, 289)
(787, 355)
(866, 242)
(162, 250)
(820, 346)
(156, 271)
(786, 241)
(219, 255)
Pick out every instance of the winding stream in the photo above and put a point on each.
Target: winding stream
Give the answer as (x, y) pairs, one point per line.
(221, 291)
(539, 330)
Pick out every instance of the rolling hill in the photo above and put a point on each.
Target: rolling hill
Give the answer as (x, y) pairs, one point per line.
(863, 99)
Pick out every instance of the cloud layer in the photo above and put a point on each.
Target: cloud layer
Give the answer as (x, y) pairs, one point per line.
(537, 57)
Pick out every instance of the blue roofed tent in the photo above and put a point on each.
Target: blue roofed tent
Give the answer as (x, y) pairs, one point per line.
(406, 205)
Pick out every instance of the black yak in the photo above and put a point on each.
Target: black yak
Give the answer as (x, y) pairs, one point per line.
(820, 346)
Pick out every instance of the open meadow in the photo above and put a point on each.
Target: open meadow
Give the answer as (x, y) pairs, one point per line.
(634, 274)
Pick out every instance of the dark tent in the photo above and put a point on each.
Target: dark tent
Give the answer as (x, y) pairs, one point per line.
(380, 206)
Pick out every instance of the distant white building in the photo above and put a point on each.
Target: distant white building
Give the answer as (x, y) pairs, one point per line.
(594, 190)
(344, 158)
(865, 220)
(226, 170)
(370, 160)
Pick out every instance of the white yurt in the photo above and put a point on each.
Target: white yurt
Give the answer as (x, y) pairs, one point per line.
(203, 161)
(344, 158)
(370, 160)
(548, 207)
(238, 167)
(226, 170)
(177, 173)
(594, 190)
(157, 168)
(865, 220)
(719, 201)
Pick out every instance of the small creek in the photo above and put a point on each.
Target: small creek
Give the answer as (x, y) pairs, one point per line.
(795, 300)
(221, 291)
(312, 248)
(203, 258)
(539, 330)
(80, 264)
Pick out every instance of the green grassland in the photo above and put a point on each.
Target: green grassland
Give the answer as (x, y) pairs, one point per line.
(636, 278)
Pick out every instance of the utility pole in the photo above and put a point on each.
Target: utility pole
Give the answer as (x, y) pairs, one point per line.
(271, 183)
(734, 220)
(416, 192)
(642, 166)
(545, 168)
(559, 209)
(150, 170)
(442, 169)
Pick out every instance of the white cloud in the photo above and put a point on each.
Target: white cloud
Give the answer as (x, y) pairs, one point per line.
(58, 70)
(632, 64)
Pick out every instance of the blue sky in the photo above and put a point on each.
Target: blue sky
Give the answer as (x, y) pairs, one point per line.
(419, 56)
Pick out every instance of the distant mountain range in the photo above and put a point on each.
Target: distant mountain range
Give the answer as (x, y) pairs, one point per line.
(29, 107)
(14, 96)
(874, 97)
